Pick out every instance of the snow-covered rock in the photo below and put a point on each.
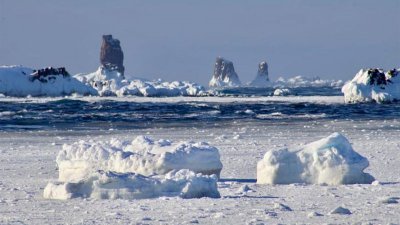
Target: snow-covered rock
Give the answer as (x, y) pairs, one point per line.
(110, 82)
(224, 74)
(262, 78)
(110, 185)
(21, 81)
(300, 81)
(144, 156)
(373, 85)
(330, 160)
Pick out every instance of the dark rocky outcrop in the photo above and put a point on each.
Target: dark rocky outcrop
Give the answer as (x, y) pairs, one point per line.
(224, 74)
(48, 73)
(263, 70)
(111, 55)
(262, 78)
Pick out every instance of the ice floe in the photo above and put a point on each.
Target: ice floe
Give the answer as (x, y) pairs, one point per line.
(111, 185)
(330, 160)
(142, 156)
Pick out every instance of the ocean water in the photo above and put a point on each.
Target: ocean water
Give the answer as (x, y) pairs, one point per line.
(269, 91)
(109, 114)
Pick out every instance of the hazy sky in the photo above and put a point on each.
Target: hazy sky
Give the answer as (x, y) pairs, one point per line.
(179, 40)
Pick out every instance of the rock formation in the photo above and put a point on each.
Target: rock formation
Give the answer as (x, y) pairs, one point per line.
(48, 73)
(224, 74)
(111, 55)
(262, 78)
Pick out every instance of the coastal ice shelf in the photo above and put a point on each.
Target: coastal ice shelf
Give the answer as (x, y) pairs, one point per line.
(330, 160)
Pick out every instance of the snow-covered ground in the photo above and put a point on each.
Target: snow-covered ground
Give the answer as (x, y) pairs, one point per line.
(27, 164)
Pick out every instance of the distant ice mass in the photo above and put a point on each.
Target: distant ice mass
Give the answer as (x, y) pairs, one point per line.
(330, 160)
(21, 81)
(107, 80)
(110, 82)
(373, 85)
(300, 81)
(111, 185)
(282, 92)
(262, 78)
(142, 156)
(224, 74)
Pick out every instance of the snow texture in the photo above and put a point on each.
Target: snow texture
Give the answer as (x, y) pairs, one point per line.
(110, 185)
(144, 156)
(17, 81)
(330, 160)
(373, 85)
(109, 82)
(224, 74)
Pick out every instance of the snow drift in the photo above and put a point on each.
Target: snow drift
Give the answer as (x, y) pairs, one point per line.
(110, 185)
(17, 81)
(110, 82)
(373, 85)
(330, 160)
(141, 156)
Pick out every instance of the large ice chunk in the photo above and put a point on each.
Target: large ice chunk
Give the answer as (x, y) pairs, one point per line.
(110, 185)
(330, 160)
(373, 85)
(143, 156)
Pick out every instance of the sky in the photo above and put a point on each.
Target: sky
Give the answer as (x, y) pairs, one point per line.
(179, 40)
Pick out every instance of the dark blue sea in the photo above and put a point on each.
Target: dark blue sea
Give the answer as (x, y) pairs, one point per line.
(107, 114)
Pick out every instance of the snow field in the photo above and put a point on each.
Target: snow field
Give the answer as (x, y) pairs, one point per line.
(27, 165)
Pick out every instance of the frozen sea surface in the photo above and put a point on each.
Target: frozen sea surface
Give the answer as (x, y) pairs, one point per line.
(33, 130)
